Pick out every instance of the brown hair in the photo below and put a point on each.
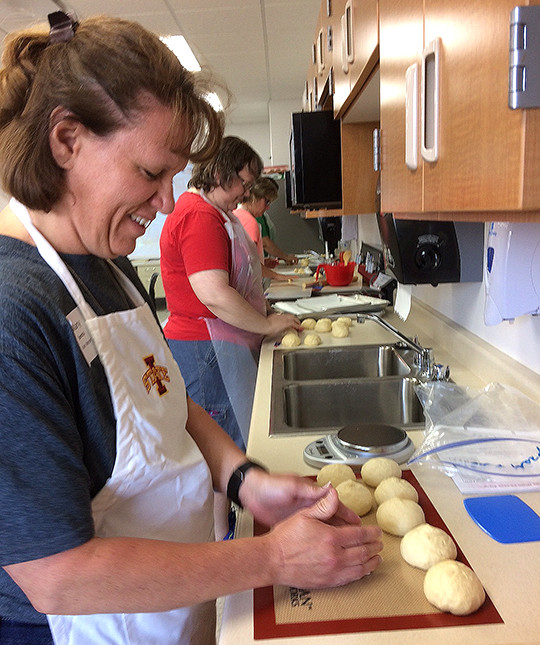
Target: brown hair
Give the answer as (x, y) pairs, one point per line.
(101, 75)
(233, 155)
(263, 188)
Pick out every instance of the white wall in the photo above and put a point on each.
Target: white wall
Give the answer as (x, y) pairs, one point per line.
(280, 129)
(256, 134)
(463, 303)
(271, 140)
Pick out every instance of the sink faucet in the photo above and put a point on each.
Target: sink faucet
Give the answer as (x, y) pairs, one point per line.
(424, 359)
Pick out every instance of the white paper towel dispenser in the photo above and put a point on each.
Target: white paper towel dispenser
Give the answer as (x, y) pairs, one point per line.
(512, 271)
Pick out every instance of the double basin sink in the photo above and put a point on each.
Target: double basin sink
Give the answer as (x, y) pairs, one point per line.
(323, 389)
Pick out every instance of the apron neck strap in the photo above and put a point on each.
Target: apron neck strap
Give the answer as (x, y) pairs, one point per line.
(51, 257)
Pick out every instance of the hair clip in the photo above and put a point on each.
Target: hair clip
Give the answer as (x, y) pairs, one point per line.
(63, 27)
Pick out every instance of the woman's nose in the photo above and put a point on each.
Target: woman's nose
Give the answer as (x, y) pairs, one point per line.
(163, 198)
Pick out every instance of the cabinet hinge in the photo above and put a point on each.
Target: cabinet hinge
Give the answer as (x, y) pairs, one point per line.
(376, 149)
(524, 72)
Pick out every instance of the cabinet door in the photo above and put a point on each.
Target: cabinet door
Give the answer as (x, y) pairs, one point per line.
(365, 38)
(342, 78)
(400, 47)
(359, 179)
(480, 138)
(355, 49)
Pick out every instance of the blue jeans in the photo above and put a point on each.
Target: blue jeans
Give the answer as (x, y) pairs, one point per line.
(204, 384)
(13, 633)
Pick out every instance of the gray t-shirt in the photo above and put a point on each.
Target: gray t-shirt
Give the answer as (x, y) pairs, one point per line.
(57, 425)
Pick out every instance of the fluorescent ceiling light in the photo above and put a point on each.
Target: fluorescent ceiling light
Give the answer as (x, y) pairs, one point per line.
(214, 101)
(178, 45)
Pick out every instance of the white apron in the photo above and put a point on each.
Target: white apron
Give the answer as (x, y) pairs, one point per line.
(237, 350)
(160, 487)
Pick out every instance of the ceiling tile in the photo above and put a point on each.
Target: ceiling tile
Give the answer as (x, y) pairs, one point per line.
(259, 48)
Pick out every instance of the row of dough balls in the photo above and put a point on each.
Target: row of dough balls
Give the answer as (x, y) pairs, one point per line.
(339, 329)
(448, 585)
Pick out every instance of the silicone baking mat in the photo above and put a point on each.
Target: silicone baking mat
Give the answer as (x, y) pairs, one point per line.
(391, 598)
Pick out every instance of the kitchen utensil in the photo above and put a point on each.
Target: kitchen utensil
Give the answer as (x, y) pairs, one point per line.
(331, 304)
(354, 445)
(505, 518)
(337, 275)
(347, 255)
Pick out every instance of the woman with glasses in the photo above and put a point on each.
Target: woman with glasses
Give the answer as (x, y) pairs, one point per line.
(263, 192)
(252, 214)
(213, 284)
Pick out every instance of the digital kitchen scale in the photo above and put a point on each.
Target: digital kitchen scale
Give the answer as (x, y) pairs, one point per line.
(354, 445)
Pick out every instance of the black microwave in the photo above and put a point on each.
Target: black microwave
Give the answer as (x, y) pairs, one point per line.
(315, 156)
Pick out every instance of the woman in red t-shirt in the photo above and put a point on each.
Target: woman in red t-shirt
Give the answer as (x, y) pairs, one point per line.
(211, 274)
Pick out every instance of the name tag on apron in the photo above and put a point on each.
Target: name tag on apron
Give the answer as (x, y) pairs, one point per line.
(82, 335)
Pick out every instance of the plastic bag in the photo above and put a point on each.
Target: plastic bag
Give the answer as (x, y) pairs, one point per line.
(491, 432)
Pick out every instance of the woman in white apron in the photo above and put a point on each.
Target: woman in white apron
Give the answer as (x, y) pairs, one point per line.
(212, 279)
(160, 486)
(107, 467)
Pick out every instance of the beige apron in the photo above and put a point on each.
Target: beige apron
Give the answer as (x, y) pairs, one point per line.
(237, 350)
(160, 487)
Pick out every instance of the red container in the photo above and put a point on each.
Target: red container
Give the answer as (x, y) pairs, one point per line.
(338, 274)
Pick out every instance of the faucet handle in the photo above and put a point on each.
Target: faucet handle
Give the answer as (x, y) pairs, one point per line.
(440, 372)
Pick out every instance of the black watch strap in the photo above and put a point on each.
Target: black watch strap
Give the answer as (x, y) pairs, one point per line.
(237, 479)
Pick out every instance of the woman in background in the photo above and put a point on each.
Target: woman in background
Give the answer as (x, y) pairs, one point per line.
(252, 214)
(212, 279)
(263, 192)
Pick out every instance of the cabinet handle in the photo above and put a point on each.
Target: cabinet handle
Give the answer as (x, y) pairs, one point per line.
(320, 52)
(430, 101)
(344, 60)
(411, 117)
(347, 41)
(349, 31)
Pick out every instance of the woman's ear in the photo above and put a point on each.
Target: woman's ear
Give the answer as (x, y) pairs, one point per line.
(64, 136)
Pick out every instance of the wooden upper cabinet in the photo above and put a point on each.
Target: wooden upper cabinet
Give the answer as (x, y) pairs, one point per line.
(355, 49)
(400, 48)
(476, 157)
(358, 177)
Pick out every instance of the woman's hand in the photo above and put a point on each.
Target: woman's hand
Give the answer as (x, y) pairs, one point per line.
(272, 498)
(311, 550)
(290, 259)
(276, 324)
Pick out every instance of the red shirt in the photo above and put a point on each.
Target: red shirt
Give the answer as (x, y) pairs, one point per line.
(193, 239)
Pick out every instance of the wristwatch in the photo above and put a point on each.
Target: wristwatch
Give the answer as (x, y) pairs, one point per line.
(237, 479)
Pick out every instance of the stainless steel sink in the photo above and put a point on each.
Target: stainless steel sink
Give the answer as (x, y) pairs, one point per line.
(325, 406)
(320, 390)
(359, 361)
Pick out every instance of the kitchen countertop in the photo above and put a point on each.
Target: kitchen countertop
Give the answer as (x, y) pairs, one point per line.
(510, 573)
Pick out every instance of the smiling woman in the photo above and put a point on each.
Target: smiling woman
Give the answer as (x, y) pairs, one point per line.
(107, 468)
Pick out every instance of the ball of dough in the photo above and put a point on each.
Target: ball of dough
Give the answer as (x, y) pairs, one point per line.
(309, 323)
(355, 496)
(323, 325)
(398, 516)
(452, 586)
(291, 339)
(345, 320)
(395, 487)
(378, 468)
(335, 474)
(425, 545)
(312, 339)
(340, 330)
